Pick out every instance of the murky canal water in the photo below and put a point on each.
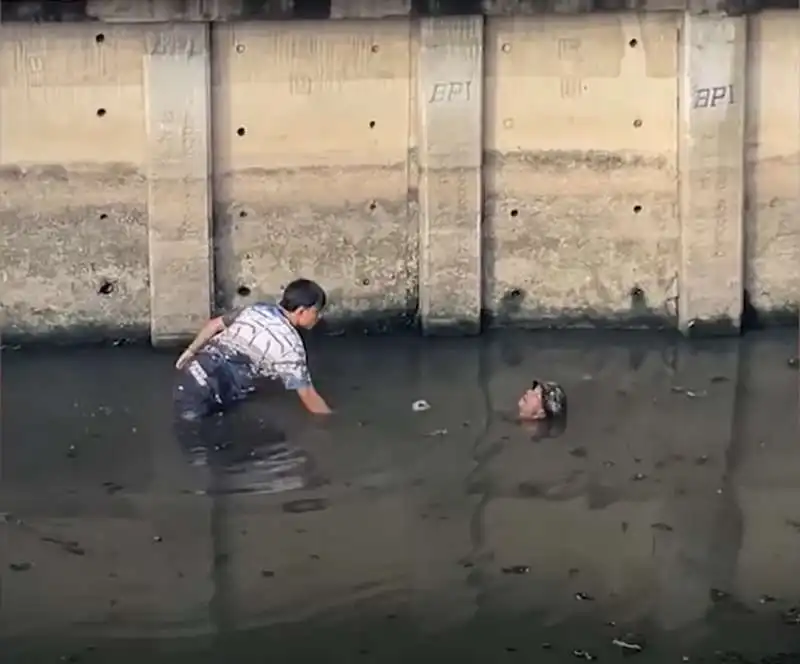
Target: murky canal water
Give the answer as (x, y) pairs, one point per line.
(664, 522)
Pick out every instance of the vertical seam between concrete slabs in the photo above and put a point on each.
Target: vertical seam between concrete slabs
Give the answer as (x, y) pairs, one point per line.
(197, 32)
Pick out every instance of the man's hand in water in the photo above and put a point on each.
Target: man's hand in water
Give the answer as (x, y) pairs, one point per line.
(313, 402)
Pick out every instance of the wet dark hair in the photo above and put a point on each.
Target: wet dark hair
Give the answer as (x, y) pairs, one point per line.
(303, 293)
(554, 399)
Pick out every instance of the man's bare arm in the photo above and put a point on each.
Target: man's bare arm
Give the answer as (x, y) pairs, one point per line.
(211, 329)
(313, 402)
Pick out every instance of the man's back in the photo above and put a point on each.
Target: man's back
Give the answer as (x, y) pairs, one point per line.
(263, 335)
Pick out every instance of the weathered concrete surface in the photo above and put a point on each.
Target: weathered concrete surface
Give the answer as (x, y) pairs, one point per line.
(177, 82)
(450, 115)
(581, 221)
(321, 134)
(711, 189)
(772, 235)
(317, 182)
(73, 191)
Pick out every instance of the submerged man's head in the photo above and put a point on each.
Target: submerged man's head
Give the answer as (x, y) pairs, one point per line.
(303, 301)
(543, 401)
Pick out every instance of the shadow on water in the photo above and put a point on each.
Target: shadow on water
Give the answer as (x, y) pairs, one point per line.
(664, 522)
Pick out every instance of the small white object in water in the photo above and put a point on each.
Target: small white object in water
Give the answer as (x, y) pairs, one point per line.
(419, 406)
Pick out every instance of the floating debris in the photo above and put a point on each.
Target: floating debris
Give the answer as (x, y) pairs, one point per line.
(718, 595)
(305, 505)
(582, 654)
(583, 597)
(793, 362)
(20, 567)
(791, 616)
(547, 646)
(702, 460)
(719, 379)
(158, 538)
(437, 432)
(629, 643)
(70, 546)
(767, 599)
(579, 452)
(72, 452)
(516, 569)
(659, 525)
(112, 488)
(793, 524)
(692, 394)
(638, 477)
(420, 406)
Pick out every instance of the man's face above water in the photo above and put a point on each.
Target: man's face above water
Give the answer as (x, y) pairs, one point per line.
(531, 405)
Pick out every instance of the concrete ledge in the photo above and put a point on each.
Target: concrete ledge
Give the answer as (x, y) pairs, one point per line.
(120, 11)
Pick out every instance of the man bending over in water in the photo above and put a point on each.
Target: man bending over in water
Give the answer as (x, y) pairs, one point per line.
(221, 365)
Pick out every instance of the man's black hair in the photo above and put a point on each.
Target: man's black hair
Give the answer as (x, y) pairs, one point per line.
(303, 293)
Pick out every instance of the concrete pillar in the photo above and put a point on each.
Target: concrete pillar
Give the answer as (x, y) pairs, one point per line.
(177, 91)
(711, 158)
(450, 110)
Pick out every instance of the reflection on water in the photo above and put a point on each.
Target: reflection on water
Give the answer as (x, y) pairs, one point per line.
(663, 522)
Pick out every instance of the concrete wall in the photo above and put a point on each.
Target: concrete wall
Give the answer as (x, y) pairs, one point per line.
(605, 168)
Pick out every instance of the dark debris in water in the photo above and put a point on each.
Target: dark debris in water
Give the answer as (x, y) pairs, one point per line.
(579, 452)
(638, 477)
(584, 597)
(660, 525)
(70, 546)
(72, 452)
(112, 488)
(718, 595)
(767, 599)
(793, 524)
(793, 362)
(791, 616)
(304, 505)
(20, 567)
(267, 573)
(516, 569)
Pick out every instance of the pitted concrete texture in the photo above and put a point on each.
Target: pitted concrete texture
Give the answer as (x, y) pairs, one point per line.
(311, 164)
(772, 236)
(560, 185)
(581, 169)
(73, 204)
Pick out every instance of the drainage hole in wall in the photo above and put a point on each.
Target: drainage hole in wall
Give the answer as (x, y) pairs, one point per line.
(372, 124)
(514, 294)
(240, 48)
(637, 123)
(99, 38)
(103, 216)
(514, 212)
(242, 213)
(106, 287)
(633, 43)
(375, 48)
(101, 112)
(372, 205)
(241, 131)
(637, 209)
(365, 282)
(244, 291)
